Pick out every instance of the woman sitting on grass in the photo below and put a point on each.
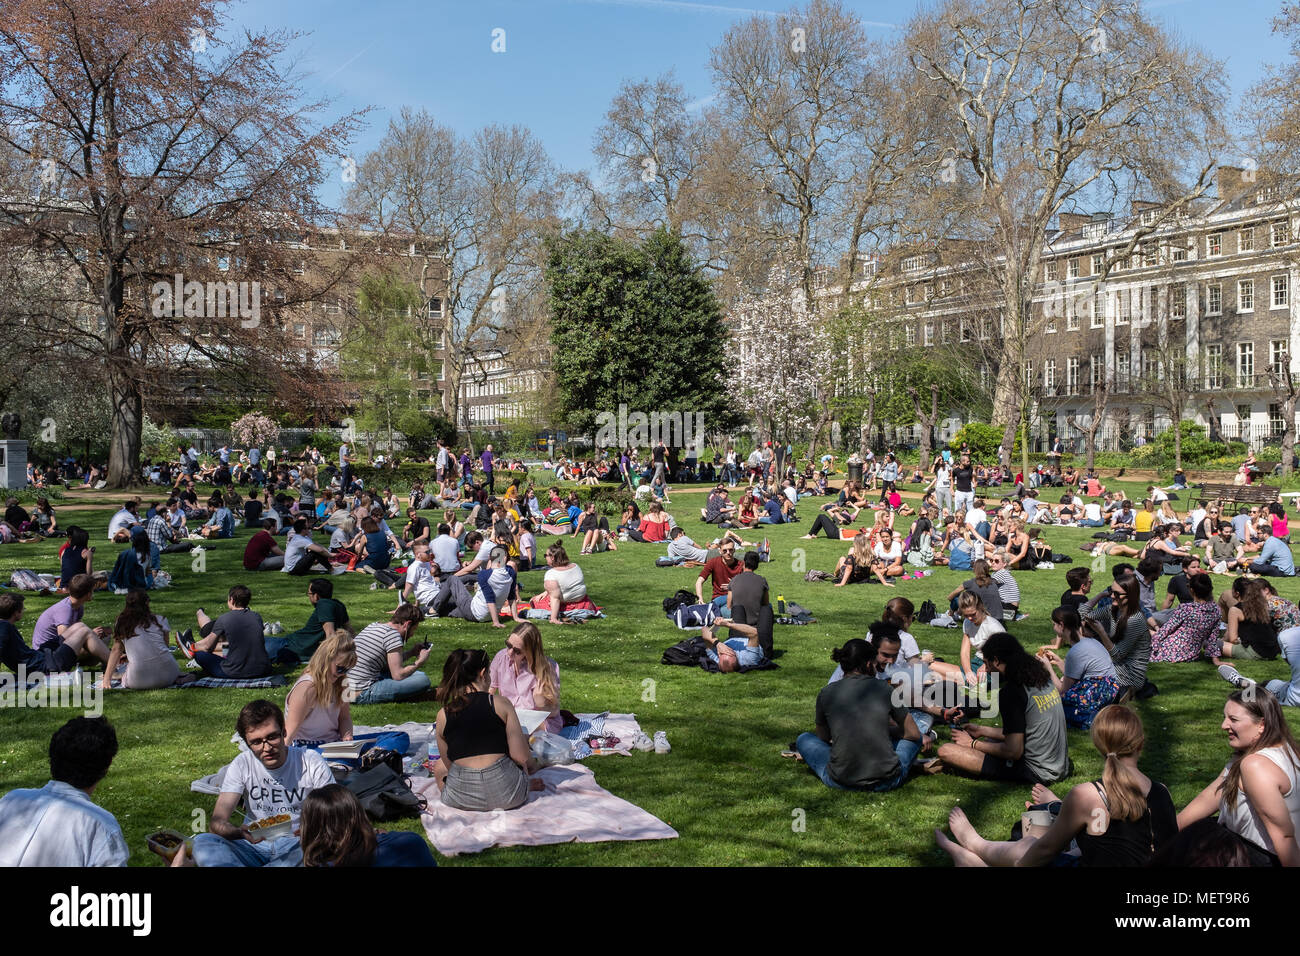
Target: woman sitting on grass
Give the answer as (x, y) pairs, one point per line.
(1257, 796)
(1192, 631)
(1250, 635)
(1119, 820)
(1087, 682)
(317, 710)
(856, 565)
(485, 762)
(336, 832)
(1031, 745)
(565, 586)
(141, 636)
(527, 678)
(655, 524)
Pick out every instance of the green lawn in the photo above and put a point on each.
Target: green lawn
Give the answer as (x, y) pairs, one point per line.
(725, 787)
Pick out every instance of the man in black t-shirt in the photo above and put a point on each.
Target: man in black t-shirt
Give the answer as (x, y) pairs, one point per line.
(252, 511)
(1179, 587)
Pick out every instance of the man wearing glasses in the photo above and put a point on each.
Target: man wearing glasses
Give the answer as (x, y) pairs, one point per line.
(272, 779)
(721, 570)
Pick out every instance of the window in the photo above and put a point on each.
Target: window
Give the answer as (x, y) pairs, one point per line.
(300, 329)
(1213, 367)
(1277, 357)
(911, 294)
(1096, 371)
(1281, 292)
(435, 306)
(945, 287)
(1051, 270)
(1147, 217)
(965, 331)
(911, 335)
(1246, 239)
(1098, 310)
(915, 263)
(928, 291)
(1049, 375)
(1098, 261)
(1245, 364)
(1122, 366)
(929, 333)
(984, 329)
(1125, 312)
(1072, 375)
(1214, 299)
(1178, 302)
(1148, 253)
(1150, 367)
(1051, 317)
(1072, 314)
(1179, 252)
(1072, 269)
(1029, 374)
(1095, 230)
(945, 332)
(1214, 244)
(1276, 420)
(1246, 295)
(1281, 233)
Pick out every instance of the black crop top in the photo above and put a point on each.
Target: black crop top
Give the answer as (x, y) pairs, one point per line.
(475, 729)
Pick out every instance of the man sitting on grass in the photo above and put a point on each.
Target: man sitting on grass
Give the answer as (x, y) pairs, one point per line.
(327, 616)
(245, 657)
(262, 553)
(682, 548)
(271, 779)
(60, 631)
(58, 825)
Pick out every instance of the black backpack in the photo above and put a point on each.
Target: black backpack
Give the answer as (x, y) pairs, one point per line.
(927, 613)
(383, 794)
(671, 604)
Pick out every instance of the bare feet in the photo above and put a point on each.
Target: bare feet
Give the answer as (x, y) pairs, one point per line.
(1041, 794)
(961, 828)
(960, 855)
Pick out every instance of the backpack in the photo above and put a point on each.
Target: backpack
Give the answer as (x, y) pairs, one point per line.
(671, 604)
(927, 612)
(384, 794)
(690, 616)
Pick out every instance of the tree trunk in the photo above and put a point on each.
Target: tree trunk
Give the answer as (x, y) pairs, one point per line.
(868, 422)
(124, 440)
(1178, 444)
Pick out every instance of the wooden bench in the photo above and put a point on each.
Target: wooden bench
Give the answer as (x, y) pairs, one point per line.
(1243, 496)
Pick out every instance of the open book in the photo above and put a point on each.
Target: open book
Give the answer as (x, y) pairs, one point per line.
(342, 749)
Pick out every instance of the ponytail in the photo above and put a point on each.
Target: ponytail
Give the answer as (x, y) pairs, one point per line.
(458, 677)
(1117, 732)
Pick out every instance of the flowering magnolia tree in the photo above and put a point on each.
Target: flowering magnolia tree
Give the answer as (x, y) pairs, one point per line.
(254, 430)
(779, 357)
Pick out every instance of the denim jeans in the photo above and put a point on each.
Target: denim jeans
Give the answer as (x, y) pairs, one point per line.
(720, 604)
(387, 691)
(1288, 693)
(817, 754)
(213, 850)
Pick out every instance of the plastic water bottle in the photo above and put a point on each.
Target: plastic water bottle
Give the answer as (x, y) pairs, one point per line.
(780, 605)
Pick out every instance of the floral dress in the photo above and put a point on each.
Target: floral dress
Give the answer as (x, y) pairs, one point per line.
(1191, 631)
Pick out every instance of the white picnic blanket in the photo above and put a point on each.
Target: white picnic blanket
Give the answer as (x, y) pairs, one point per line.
(572, 809)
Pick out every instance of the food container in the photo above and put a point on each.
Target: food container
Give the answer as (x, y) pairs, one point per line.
(165, 843)
(272, 828)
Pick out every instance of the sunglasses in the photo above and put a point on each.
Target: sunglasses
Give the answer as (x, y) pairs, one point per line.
(512, 649)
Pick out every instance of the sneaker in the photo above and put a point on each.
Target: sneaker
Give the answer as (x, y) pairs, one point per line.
(277, 628)
(366, 568)
(193, 665)
(185, 639)
(1233, 677)
(661, 743)
(339, 569)
(266, 630)
(643, 743)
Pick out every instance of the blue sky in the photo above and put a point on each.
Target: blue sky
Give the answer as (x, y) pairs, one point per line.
(564, 59)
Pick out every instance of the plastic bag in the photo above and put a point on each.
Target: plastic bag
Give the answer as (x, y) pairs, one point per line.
(551, 750)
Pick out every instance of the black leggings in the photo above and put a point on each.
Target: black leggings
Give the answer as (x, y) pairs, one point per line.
(824, 522)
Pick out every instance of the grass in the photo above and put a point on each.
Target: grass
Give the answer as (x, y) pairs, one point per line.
(724, 787)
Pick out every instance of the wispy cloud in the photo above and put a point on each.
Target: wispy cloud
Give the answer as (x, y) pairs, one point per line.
(353, 59)
(685, 6)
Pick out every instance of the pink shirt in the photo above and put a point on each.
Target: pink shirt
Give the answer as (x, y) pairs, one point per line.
(1279, 527)
(517, 686)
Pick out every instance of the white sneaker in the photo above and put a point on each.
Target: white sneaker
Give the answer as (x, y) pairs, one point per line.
(1233, 677)
(277, 628)
(643, 743)
(661, 743)
(339, 569)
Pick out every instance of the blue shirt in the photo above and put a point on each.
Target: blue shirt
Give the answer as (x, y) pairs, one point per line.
(1278, 554)
(774, 511)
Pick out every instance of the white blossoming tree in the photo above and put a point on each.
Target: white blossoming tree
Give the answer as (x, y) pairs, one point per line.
(254, 430)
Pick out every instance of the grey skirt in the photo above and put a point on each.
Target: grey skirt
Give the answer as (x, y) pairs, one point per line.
(499, 786)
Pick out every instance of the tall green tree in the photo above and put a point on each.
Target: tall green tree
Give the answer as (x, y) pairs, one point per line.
(634, 324)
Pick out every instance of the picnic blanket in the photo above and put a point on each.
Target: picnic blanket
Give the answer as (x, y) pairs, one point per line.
(560, 529)
(275, 680)
(572, 809)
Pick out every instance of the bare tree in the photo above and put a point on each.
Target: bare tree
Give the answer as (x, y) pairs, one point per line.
(472, 214)
(152, 149)
(1052, 104)
(926, 419)
(1285, 383)
(1095, 421)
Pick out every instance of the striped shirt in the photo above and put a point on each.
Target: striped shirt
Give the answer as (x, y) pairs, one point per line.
(1008, 589)
(374, 644)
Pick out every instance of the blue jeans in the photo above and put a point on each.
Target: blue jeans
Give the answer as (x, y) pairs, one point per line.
(387, 691)
(720, 603)
(274, 645)
(817, 754)
(1288, 693)
(212, 850)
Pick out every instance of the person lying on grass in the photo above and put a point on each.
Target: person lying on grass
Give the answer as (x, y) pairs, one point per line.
(1119, 820)
(1031, 745)
(735, 652)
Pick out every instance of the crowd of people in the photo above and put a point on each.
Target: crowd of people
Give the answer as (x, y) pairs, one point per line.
(889, 711)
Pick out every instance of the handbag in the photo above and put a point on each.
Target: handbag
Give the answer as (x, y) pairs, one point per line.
(383, 794)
